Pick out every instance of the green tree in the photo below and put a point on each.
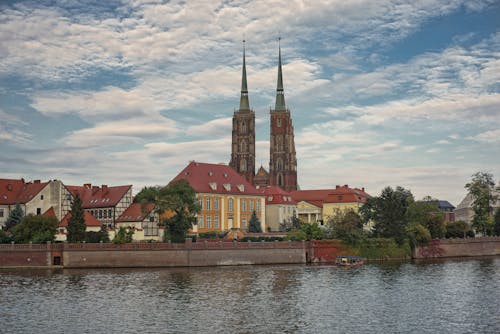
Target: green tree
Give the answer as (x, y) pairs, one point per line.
(97, 237)
(427, 214)
(179, 199)
(496, 228)
(418, 234)
(15, 217)
(481, 189)
(306, 232)
(123, 236)
(76, 223)
(147, 194)
(389, 213)
(458, 229)
(346, 226)
(291, 224)
(254, 224)
(35, 229)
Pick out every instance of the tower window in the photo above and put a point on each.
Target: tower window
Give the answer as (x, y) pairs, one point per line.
(243, 165)
(279, 122)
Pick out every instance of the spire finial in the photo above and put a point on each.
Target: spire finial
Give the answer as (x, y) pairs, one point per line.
(280, 95)
(244, 103)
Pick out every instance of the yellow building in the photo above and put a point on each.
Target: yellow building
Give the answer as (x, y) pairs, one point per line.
(226, 199)
(342, 199)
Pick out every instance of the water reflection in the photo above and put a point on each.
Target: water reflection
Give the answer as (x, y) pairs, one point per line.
(424, 297)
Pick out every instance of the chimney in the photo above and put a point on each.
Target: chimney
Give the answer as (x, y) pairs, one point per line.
(363, 189)
(337, 186)
(88, 185)
(346, 186)
(95, 189)
(36, 181)
(104, 188)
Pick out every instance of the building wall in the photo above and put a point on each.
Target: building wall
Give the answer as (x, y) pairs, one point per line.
(308, 213)
(228, 219)
(277, 214)
(49, 196)
(330, 210)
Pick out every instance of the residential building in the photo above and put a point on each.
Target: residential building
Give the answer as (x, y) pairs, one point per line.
(280, 207)
(464, 211)
(447, 208)
(34, 197)
(226, 198)
(91, 223)
(310, 204)
(104, 203)
(342, 199)
(143, 220)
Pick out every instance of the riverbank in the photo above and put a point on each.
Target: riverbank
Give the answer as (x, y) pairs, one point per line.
(227, 253)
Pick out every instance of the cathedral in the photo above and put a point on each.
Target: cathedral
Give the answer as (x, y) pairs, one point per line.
(283, 162)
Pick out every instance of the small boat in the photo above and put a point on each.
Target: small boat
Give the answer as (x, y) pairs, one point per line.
(349, 261)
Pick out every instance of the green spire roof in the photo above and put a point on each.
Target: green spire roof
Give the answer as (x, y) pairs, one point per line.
(280, 94)
(244, 103)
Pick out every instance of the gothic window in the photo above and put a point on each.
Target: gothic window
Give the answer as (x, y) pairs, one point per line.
(243, 146)
(280, 180)
(243, 165)
(279, 122)
(279, 143)
(243, 127)
(279, 164)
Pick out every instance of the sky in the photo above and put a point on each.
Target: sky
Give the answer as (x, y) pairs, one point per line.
(381, 93)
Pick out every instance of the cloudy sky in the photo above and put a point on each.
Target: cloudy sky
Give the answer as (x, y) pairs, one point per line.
(128, 92)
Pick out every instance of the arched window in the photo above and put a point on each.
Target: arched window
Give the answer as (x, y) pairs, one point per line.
(280, 180)
(243, 127)
(243, 165)
(279, 164)
(243, 146)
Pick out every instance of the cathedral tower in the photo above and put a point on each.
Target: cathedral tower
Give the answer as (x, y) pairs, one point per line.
(283, 161)
(243, 139)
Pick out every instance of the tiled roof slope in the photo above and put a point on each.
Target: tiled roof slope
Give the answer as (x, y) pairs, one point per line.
(98, 197)
(89, 220)
(216, 179)
(50, 213)
(276, 195)
(19, 191)
(344, 194)
(310, 195)
(135, 212)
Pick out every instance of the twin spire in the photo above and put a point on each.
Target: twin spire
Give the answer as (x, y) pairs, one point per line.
(280, 94)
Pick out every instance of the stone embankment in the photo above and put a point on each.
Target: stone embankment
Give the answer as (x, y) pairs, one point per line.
(443, 248)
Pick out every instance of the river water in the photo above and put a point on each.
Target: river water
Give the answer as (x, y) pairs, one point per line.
(459, 296)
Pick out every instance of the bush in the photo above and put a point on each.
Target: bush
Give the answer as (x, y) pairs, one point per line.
(123, 236)
(96, 237)
(419, 235)
(382, 248)
(208, 235)
(5, 238)
(458, 229)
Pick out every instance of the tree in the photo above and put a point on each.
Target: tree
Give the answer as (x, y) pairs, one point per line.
(291, 224)
(14, 218)
(418, 234)
(427, 214)
(346, 226)
(458, 229)
(35, 229)
(254, 224)
(76, 223)
(147, 194)
(123, 236)
(496, 227)
(306, 232)
(481, 189)
(178, 198)
(388, 212)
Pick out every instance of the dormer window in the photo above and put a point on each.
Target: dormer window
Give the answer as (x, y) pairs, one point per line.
(227, 186)
(241, 187)
(270, 198)
(210, 173)
(213, 185)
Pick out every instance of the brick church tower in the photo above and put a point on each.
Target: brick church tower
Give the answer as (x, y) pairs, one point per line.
(283, 161)
(243, 139)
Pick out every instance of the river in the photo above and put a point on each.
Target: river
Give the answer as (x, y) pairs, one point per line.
(454, 296)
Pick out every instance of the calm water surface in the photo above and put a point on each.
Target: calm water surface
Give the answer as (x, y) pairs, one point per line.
(433, 297)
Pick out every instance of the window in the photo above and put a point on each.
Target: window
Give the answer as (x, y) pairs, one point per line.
(230, 205)
(243, 223)
(208, 222)
(216, 203)
(216, 222)
(150, 229)
(1, 213)
(38, 211)
(105, 214)
(207, 204)
(41, 197)
(200, 201)
(257, 205)
(100, 214)
(243, 205)
(243, 165)
(109, 213)
(251, 205)
(200, 222)
(151, 219)
(279, 122)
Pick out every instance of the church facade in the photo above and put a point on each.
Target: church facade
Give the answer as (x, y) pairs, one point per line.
(283, 161)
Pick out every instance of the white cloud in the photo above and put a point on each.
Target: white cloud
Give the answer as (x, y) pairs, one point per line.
(491, 137)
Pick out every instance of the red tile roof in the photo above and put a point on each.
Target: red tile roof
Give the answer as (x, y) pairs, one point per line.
(19, 191)
(98, 197)
(344, 194)
(50, 213)
(135, 213)
(319, 204)
(216, 179)
(276, 195)
(310, 195)
(90, 221)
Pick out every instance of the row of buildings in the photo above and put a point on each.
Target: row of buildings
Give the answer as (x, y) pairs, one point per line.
(226, 198)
